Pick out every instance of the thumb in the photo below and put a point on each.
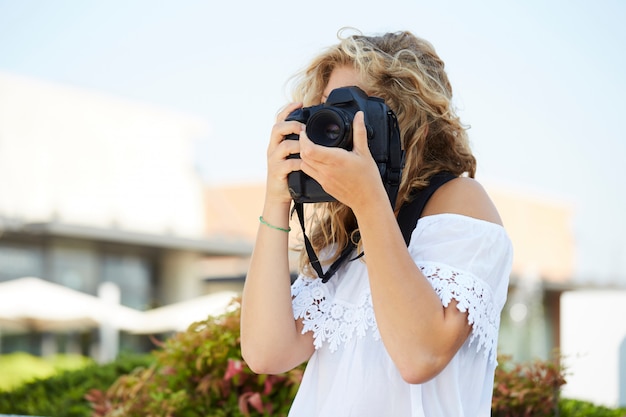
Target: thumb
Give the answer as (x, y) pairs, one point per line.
(359, 138)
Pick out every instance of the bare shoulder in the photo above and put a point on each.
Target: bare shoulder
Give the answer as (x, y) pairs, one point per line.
(464, 196)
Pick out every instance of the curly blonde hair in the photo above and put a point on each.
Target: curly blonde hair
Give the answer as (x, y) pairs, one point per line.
(406, 72)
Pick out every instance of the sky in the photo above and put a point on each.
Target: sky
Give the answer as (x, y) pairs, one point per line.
(541, 84)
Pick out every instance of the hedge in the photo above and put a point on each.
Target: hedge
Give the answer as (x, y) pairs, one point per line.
(200, 373)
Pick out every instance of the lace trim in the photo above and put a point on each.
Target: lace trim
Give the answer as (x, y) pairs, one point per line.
(337, 322)
(333, 323)
(472, 296)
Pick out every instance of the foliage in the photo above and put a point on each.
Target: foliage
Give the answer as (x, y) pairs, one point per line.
(20, 367)
(199, 373)
(576, 408)
(64, 394)
(527, 389)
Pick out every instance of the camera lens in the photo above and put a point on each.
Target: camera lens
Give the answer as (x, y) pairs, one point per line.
(329, 127)
(332, 131)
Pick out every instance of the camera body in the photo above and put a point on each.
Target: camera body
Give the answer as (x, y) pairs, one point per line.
(330, 124)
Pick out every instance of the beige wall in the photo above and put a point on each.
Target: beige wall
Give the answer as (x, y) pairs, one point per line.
(87, 158)
(541, 230)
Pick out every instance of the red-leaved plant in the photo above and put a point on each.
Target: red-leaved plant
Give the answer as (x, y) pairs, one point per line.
(200, 373)
(527, 389)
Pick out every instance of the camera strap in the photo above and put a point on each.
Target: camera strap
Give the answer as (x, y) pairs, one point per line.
(408, 217)
(315, 262)
(411, 211)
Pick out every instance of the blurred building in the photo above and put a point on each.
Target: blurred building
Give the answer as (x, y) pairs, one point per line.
(541, 229)
(96, 189)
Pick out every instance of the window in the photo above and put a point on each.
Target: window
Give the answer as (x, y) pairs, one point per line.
(17, 261)
(132, 274)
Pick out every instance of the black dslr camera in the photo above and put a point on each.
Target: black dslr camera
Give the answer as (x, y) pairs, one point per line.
(330, 124)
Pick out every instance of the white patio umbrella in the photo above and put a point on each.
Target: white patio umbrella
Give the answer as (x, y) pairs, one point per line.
(178, 316)
(35, 304)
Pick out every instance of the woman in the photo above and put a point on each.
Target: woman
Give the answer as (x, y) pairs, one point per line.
(401, 331)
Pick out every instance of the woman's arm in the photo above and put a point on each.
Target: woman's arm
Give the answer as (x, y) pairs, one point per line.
(420, 335)
(271, 339)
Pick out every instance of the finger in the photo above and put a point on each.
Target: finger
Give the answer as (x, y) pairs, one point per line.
(278, 162)
(360, 134)
(286, 110)
(282, 168)
(282, 129)
(313, 152)
(286, 148)
(310, 156)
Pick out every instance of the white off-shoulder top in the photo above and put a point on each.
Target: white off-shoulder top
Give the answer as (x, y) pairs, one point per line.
(351, 374)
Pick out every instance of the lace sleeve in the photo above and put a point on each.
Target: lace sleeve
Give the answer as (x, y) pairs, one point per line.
(472, 296)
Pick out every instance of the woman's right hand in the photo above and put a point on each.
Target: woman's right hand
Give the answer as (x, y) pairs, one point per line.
(278, 163)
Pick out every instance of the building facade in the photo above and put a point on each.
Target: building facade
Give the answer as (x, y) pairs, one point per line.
(98, 189)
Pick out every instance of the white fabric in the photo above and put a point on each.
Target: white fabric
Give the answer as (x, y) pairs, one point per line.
(351, 373)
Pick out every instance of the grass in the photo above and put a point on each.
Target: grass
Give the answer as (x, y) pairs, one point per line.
(19, 368)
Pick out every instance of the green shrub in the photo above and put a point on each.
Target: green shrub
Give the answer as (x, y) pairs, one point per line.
(64, 394)
(199, 373)
(576, 408)
(20, 367)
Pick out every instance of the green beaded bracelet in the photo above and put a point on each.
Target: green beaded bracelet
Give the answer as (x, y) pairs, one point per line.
(282, 229)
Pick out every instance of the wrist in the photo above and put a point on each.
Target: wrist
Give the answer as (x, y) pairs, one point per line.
(275, 214)
(371, 203)
(272, 226)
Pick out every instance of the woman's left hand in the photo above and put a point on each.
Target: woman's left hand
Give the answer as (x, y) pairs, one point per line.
(352, 177)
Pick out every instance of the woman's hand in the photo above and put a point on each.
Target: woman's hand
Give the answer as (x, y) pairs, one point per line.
(271, 339)
(352, 177)
(278, 165)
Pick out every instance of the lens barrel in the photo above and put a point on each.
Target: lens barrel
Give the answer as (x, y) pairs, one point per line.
(330, 127)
